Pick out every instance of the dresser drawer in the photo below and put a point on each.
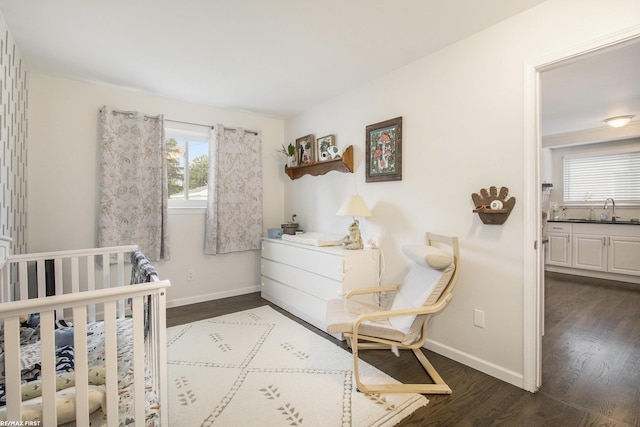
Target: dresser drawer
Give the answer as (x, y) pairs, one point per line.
(319, 286)
(303, 305)
(321, 262)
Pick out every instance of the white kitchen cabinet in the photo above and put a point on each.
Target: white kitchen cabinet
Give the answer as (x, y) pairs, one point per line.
(615, 254)
(301, 278)
(610, 251)
(624, 255)
(559, 244)
(606, 247)
(589, 251)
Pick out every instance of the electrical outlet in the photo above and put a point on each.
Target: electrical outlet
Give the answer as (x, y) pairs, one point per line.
(478, 318)
(191, 275)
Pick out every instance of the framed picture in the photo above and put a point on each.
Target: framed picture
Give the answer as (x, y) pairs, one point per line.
(383, 151)
(306, 150)
(323, 147)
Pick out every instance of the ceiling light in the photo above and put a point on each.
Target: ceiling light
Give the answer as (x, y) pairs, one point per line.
(618, 121)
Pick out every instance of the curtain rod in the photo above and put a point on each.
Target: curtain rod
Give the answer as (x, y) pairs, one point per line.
(208, 126)
(190, 123)
(130, 113)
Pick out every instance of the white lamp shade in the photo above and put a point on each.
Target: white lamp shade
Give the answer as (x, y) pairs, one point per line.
(354, 206)
(619, 121)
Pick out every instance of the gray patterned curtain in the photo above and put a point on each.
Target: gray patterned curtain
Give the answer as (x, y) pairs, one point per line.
(234, 209)
(133, 183)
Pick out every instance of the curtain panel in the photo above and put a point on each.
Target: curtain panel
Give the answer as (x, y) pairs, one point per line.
(133, 183)
(234, 209)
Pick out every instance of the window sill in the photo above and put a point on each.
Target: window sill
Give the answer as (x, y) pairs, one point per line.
(186, 210)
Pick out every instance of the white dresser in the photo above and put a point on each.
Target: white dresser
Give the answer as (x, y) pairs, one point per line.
(301, 279)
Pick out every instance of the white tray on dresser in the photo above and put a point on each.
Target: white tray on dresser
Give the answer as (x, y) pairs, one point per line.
(302, 278)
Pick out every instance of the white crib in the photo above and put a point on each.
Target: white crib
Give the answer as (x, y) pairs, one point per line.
(91, 291)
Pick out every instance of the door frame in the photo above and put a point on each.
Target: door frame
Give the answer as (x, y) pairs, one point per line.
(533, 292)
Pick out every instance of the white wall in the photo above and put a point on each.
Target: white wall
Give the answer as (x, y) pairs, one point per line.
(462, 110)
(63, 182)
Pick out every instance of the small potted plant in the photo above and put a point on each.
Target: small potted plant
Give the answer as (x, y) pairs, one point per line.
(291, 226)
(290, 152)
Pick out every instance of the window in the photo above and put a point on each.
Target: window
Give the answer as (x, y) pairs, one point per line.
(596, 178)
(187, 167)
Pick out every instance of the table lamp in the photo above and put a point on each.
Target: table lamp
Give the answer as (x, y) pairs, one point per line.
(354, 206)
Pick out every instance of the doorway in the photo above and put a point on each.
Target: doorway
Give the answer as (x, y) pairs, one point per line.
(534, 259)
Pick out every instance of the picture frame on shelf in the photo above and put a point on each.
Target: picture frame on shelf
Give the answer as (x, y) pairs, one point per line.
(305, 150)
(323, 145)
(383, 151)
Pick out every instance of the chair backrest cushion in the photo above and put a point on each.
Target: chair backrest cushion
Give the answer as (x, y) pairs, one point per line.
(428, 277)
(428, 256)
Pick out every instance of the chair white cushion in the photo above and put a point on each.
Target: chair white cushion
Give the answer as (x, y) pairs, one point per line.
(424, 283)
(342, 314)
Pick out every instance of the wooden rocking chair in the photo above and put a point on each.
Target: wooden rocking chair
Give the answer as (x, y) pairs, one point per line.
(427, 289)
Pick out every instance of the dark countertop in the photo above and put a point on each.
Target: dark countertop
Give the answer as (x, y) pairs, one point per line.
(593, 221)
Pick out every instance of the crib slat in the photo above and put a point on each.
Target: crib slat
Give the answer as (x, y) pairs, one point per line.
(91, 284)
(120, 279)
(106, 272)
(48, 361)
(81, 364)
(24, 281)
(41, 280)
(75, 275)
(12, 366)
(138, 360)
(111, 362)
(59, 285)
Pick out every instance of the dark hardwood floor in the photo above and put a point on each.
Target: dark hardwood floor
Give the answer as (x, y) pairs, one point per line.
(591, 362)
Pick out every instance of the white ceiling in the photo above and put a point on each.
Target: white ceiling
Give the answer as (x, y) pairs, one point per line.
(273, 57)
(581, 93)
(280, 57)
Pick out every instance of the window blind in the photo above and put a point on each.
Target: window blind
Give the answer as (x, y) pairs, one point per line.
(596, 178)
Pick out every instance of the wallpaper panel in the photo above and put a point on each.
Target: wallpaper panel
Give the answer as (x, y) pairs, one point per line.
(13, 141)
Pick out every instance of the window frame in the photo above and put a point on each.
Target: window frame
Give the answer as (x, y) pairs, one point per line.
(189, 136)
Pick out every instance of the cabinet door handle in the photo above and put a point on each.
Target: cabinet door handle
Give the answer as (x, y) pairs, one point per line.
(604, 241)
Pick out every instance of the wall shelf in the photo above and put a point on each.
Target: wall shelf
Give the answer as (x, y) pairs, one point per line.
(493, 216)
(344, 164)
(484, 199)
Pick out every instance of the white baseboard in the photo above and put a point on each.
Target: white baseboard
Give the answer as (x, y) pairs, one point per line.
(213, 296)
(499, 372)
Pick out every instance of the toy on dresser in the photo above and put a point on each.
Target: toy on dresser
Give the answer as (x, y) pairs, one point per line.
(354, 239)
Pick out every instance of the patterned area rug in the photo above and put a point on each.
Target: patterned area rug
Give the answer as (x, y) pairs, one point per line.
(259, 368)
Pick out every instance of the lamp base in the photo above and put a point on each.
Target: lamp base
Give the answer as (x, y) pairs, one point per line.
(354, 239)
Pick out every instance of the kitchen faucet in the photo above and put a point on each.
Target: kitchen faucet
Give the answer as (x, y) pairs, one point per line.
(613, 212)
